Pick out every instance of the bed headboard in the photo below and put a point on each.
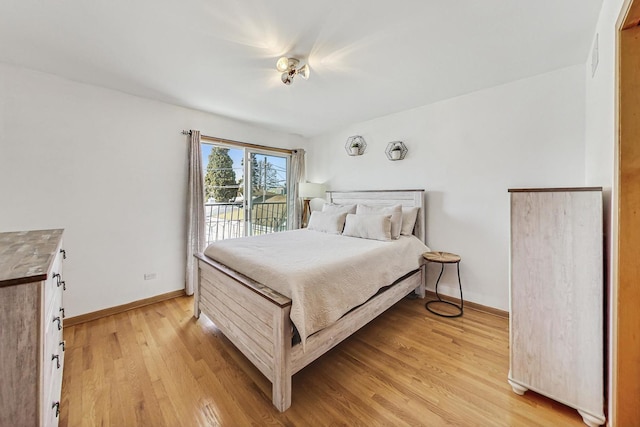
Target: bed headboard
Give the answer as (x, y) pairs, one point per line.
(407, 198)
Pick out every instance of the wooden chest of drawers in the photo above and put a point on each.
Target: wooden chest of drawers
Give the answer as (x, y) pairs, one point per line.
(557, 297)
(31, 341)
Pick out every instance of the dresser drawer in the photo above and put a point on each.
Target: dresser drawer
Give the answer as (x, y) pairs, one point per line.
(51, 407)
(53, 351)
(53, 317)
(52, 347)
(51, 402)
(53, 358)
(30, 381)
(53, 288)
(52, 367)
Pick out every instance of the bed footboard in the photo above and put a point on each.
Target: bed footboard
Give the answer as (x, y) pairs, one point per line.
(254, 318)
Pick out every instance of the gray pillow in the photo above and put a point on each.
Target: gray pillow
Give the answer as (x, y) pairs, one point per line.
(376, 227)
(409, 216)
(331, 223)
(336, 208)
(395, 211)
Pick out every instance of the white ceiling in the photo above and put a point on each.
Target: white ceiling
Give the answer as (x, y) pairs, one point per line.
(368, 58)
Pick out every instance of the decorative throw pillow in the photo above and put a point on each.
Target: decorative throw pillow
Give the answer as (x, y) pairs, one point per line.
(376, 227)
(395, 211)
(335, 208)
(331, 223)
(409, 216)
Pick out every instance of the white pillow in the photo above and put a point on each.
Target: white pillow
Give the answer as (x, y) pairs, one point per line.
(395, 211)
(331, 223)
(335, 208)
(376, 227)
(409, 216)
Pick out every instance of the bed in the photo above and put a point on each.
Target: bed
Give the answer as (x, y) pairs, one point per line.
(257, 319)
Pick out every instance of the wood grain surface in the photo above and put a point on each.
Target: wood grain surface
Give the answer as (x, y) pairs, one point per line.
(633, 16)
(20, 323)
(158, 366)
(25, 256)
(441, 257)
(557, 296)
(626, 335)
(30, 300)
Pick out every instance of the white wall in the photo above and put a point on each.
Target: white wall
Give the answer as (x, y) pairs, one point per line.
(601, 153)
(111, 170)
(600, 107)
(600, 100)
(466, 152)
(600, 119)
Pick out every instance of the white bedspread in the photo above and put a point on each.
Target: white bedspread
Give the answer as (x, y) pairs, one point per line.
(325, 275)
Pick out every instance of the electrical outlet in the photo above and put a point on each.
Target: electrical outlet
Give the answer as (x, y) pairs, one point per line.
(150, 276)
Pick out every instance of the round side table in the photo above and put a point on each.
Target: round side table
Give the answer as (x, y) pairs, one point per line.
(444, 258)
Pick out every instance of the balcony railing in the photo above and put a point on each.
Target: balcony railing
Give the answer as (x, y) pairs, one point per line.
(227, 221)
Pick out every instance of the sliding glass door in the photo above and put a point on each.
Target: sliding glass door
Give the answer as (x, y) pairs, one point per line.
(267, 190)
(245, 191)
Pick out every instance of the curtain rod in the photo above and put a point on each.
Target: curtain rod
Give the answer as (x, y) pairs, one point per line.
(241, 144)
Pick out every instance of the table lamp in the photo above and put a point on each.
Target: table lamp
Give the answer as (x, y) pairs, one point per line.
(308, 191)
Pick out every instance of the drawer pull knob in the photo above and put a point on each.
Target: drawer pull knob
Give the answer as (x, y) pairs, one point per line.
(64, 253)
(57, 319)
(56, 405)
(63, 343)
(59, 281)
(57, 359)
(62, 311)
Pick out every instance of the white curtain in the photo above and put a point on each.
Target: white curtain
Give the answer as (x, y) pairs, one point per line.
(195, 211)
(297, 176)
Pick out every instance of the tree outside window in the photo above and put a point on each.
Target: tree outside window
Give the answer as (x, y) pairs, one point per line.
(220, 180)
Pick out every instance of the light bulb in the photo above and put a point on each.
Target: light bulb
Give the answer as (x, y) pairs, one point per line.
(282, 64)
(304, 71)
(286, 79)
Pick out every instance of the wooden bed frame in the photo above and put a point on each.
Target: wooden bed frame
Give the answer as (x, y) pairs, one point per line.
(256, 320)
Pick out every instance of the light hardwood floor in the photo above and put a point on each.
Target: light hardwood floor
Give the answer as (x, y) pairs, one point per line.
(158, 366)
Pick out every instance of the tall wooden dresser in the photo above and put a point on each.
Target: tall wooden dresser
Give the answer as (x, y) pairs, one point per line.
(557, 297)
(31, 313)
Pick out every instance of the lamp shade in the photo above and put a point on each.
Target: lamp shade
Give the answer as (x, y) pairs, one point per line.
(310, 190)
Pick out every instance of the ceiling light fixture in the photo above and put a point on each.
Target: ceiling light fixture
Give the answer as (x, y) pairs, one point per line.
(289, 69)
